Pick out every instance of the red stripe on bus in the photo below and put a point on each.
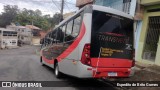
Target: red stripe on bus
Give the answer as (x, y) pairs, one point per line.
(47, 60)
(74, 44)
(111, 62)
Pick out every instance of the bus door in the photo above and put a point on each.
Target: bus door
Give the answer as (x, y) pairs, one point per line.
(111, 41)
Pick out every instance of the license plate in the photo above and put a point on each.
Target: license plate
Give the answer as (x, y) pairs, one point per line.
(112, 74)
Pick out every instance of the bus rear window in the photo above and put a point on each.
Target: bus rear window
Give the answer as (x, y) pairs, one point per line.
(111, 34)
(105, 22)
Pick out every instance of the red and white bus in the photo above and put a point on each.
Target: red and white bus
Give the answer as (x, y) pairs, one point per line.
(95, 42)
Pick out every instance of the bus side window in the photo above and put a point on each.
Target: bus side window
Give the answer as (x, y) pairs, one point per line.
(73, 28)
(53, 36)
(46, 41)
(76, 26)
(60, 35)
(68, 35)
(64, 31)
(49, 39)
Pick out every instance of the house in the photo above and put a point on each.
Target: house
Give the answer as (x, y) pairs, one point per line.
(66, 15)
(149, 32)
(35, 30)
(36, 34)
(8, 38)
(24, 33)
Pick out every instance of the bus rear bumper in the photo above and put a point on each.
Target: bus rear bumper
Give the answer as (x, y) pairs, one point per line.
(112, 72)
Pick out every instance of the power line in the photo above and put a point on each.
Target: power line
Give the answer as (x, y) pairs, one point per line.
(70, 3)
(67, 7)
(56, 4)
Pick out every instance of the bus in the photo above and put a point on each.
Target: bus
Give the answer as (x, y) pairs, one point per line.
(96, 42)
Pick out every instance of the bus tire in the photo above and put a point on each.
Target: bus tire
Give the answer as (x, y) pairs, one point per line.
(41, 61)
(56, 71)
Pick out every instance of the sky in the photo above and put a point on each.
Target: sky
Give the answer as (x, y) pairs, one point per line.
(46, 6)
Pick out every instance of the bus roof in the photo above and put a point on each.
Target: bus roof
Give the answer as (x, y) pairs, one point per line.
(111, 10)
(99, 8)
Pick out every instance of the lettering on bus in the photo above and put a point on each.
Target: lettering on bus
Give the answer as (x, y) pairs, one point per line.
(105, 52)
(113, 39)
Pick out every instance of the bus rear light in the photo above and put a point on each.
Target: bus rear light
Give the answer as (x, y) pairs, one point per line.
(86, 55)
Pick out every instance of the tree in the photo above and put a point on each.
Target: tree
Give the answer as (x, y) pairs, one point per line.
(9, 14)
(28, 17)
(55, 20)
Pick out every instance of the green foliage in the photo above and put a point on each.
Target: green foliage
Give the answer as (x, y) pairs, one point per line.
(28, 17)
(9, 14)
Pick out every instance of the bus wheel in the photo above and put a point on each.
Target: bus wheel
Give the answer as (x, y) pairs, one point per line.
(56, 71)
(41, 61)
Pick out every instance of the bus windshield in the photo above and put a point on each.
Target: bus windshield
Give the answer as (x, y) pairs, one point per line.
(112, 36)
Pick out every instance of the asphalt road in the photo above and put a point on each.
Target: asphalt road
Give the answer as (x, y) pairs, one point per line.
(22, 64)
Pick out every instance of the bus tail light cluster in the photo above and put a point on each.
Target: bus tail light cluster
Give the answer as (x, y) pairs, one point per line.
(86, 55)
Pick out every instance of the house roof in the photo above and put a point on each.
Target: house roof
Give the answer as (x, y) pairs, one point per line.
(13, 26)
(33, 27)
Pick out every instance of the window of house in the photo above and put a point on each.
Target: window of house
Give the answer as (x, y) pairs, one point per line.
(5, 33)
(13, 42)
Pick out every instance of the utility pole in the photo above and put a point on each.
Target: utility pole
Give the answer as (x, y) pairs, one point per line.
(62, 7)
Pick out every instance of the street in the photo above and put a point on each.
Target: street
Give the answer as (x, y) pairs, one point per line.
(22, 64)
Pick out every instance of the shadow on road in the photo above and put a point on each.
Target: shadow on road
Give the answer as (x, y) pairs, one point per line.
(82, 84)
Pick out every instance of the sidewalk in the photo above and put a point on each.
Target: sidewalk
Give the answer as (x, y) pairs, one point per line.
(144, 72)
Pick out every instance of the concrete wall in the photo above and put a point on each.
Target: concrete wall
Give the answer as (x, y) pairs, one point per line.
(137, 36)
(158, 54)
(149, 2)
